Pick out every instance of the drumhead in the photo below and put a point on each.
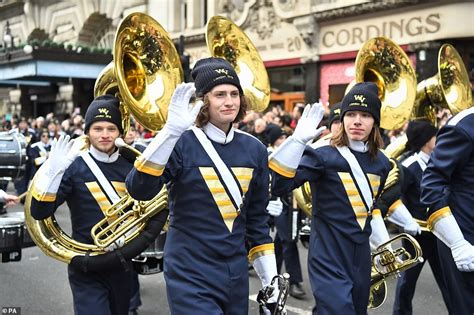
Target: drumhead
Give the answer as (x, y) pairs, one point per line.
(8, 222)
(13, 156)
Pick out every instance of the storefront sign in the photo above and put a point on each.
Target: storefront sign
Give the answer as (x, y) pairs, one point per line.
(448, 21)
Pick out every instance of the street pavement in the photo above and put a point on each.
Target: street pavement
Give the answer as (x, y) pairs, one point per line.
(38, 285)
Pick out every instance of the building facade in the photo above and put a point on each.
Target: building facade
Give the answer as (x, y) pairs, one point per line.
(53, 50)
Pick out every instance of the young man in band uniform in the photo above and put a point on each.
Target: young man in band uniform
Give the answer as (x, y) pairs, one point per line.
(205, 265)
(447, 187)
(346, 174)
(89, 182)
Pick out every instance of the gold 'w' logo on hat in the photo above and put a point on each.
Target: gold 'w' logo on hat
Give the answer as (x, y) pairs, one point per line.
(337, 111)
(222, 71)
(104, 111)
(359, 97)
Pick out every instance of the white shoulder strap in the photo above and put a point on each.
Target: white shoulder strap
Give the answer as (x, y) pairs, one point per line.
(229, 180)
(111, 193)
(359, 175)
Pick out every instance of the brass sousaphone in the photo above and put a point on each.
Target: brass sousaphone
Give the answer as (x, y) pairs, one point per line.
(144, 74)
(226, 40)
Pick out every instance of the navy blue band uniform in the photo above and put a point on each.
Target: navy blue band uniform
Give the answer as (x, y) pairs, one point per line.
(93, 293)
(447, 187)
(413, 167)
(38, 154)
(339, 256)
(205, 265)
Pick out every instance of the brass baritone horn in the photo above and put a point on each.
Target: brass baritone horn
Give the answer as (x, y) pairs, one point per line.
(394, 261)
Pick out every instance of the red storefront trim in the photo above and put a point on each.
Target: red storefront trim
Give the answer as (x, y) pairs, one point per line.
(282, 63)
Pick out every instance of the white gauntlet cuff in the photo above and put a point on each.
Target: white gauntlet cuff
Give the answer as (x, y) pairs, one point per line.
(287, 157)
(401, 216)
(379, 232)
(46, 184)
(153, 160)
(447, 229)
(265, 267)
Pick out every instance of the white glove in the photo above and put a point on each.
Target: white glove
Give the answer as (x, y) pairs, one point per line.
(265, 267)
(180, 115)
(448, 231)
(63, 153)
(463, 254)
(306, 128)
(402, 217)
(379, 232)
(287, 156)
(117, 244)
(412, 228)
(275, 207)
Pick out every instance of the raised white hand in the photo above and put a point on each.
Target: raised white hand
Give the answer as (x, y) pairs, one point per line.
(63, 153)
(306, 128)
(180, 115)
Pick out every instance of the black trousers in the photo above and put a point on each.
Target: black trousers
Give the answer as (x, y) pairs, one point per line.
(104, 293)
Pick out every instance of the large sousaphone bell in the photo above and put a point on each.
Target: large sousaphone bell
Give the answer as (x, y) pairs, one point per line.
(145, 70)
(448, 88)
(144, 74)
(226, 40)
(383, 62)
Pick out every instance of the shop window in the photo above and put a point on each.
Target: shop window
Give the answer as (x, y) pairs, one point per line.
(287, 79)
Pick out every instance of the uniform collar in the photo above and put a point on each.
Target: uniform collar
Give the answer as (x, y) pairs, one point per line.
(103, 157)
(424, 157)
(358, 146)
(217, 135)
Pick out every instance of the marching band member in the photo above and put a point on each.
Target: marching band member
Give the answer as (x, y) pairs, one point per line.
(346, 174)
(89, 182)
(39, 151)
(334, 119)
(421, 141)
(205, 265)
(447, 187)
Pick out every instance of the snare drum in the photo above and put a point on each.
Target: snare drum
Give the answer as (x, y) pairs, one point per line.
(150, 261)
(27, 240)
(13, 155)
(11, 233)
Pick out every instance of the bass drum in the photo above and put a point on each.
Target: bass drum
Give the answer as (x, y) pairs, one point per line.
(13, 155)
(150, 261)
